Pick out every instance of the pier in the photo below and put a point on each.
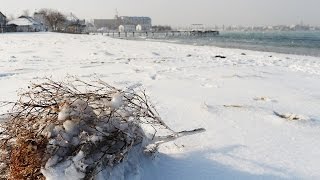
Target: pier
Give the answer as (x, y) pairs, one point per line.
(166, 34)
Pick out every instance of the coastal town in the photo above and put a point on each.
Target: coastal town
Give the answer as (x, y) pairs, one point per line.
(53, 20)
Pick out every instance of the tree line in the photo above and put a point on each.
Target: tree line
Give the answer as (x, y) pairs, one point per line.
(53, 18)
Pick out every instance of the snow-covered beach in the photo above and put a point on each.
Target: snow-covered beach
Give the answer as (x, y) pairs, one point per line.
(235, 94)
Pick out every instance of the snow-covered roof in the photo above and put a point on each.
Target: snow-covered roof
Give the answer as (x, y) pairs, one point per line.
(2, 14)
(23, 21)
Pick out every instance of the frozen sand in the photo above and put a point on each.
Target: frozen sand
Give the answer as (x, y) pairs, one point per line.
(190, 87)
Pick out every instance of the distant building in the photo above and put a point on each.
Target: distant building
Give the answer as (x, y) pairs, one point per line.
(26, 24)
(127, 28)
(197, 27)
(40, 18)
(74, 24)
(3, 21)
(90, 27)
(123, 24)
(140, 23)
(107, 24)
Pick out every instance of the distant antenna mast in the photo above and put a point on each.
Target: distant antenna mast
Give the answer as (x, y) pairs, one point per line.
(117, 13)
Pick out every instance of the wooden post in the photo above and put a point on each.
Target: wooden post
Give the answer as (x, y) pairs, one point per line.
(119, 34)
(125, 33)
(132, 34)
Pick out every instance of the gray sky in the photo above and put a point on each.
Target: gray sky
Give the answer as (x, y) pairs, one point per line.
(183, 12)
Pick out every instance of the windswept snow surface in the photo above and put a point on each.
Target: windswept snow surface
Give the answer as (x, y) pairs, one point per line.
(236, 99)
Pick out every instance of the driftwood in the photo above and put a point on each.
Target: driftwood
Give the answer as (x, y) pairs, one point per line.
(289, 116)
(233, 106)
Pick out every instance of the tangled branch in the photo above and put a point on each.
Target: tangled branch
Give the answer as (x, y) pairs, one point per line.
(89, 125)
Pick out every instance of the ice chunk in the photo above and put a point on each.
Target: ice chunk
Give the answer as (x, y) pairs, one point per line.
(95, 138)
(78, 157)
(65, 171)
(57, 129)
(48, 131)
(52, 161)
(64, 113)
(82, 110)
(66, 137)
(71, 127)
(72, 173)
(117, 100)
(75, 141)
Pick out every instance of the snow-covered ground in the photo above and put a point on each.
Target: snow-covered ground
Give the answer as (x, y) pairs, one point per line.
(234, 98)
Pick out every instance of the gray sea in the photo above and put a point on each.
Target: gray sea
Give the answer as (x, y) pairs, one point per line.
(301, 43)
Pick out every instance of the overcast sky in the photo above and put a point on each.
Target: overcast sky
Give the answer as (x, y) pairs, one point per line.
(183, 12)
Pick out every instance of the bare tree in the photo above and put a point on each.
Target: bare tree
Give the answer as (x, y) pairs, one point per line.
(54, 19)
(26, 12)
(11, 17)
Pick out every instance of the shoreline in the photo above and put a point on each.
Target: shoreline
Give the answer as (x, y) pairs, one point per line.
(234, 47)
(223, 41)
(216, 46)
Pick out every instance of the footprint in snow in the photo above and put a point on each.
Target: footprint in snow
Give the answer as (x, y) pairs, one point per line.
(107, 53)
(13, 60)
(264, 99)
(26, 52)
(137, 70)
(155, 53)
(6, 74)
(153, 77)
(209, 108)
(244, 76)
(207, 85)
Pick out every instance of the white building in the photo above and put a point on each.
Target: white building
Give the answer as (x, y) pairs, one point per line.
(26, 24)
(140, 23)
(143, 27)
(124, 24)
(127, 28)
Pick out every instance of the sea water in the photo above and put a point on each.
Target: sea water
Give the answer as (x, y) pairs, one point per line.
(289, 42)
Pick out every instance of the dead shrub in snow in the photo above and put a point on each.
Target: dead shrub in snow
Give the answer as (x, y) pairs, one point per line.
(27, 157)
(83, 126)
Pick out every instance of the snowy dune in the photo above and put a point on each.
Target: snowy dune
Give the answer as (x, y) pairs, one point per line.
(234, 98)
